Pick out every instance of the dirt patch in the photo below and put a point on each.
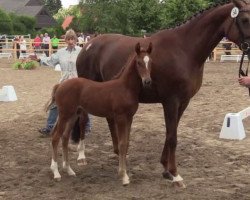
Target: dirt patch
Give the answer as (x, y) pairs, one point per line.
(212, 168)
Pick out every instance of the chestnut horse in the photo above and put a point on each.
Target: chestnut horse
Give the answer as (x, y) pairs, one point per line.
(117, 99)
(179, 56)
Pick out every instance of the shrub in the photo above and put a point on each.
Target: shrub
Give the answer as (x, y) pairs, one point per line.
(25, 64)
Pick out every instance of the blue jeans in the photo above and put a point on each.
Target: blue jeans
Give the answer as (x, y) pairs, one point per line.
(53, 113)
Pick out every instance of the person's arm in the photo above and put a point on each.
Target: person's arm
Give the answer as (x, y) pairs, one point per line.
(51, 61)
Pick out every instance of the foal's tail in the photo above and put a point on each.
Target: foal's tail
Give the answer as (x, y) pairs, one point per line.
(52, 99)
(81, 119)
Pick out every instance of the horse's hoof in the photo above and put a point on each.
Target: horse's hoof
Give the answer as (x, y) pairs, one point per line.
(168, 175)
(82, 162)
(179, 184)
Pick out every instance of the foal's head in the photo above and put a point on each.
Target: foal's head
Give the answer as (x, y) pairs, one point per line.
(143, 63)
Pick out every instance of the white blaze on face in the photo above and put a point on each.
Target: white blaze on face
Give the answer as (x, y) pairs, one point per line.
(88, 46)
(146, 60)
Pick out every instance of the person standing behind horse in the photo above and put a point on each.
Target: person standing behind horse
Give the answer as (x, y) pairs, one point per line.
(66, 57)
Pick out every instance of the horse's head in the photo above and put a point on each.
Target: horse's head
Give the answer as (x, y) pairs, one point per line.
(239, 26)
(143, 63)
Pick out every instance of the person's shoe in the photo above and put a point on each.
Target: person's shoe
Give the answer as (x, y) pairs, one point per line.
(44, 131)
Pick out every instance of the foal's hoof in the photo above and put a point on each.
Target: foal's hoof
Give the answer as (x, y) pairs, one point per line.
(125, 183)
(82, 162)
(179, 184)
(58, 178)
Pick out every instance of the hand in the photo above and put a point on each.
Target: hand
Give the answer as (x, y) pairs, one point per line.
(244, 81)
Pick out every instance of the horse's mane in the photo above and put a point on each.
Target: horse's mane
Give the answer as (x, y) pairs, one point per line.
(129, 62)
(212, 5)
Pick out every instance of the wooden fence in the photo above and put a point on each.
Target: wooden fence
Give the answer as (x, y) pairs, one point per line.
(220, 53)
(9, 48)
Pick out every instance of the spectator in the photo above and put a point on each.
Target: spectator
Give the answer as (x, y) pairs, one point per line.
(87, 38)
(1, 43)
(22, 43)
(16, 43)
(37, 43)
(46, 42)
(54, 42)
(81, 40)
(227, 45)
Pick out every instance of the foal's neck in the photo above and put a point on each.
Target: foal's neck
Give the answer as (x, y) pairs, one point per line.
(130, 77)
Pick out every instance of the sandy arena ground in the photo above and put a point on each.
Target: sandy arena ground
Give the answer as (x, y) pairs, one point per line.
(212, 168)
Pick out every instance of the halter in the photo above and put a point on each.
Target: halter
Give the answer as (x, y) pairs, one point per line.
(244, 45)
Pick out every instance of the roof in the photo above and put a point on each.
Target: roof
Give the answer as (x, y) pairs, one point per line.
(32, 8)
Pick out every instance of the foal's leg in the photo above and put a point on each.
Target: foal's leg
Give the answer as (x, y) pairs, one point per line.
(172, 112)
(123, 135)
(81, 160)
(56, 135)
(65, 142)
(113, 131)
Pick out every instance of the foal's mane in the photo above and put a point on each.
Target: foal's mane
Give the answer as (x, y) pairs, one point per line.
(200, 13)
(129, 62)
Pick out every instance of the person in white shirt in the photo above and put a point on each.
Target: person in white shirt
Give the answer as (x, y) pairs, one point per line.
(46, 42)
(81, 40)
(23, 46)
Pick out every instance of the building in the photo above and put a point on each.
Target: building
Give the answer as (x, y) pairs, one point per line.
(32, 8)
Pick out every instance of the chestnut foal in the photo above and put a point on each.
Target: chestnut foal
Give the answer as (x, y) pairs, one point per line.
(116, 99)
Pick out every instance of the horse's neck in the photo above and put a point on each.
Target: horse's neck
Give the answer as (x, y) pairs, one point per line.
(201, 35)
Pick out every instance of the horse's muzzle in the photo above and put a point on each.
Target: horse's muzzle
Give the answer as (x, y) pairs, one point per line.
(146, 82)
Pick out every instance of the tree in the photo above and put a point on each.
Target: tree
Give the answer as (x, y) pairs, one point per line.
(177, 11)
(6, 26)
(53, 5)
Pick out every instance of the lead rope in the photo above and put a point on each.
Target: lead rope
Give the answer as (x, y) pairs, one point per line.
(241, 72)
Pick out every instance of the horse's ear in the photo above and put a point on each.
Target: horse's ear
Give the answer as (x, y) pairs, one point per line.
(150, 46)
(138, 48)
(240, 3)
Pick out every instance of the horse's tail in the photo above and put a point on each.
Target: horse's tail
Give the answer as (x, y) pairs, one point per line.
(52, 99)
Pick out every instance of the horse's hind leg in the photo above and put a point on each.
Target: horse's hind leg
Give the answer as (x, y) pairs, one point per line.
(113, 131)
(123, 135)
(81, 160)
(56, 135)
(65, 142)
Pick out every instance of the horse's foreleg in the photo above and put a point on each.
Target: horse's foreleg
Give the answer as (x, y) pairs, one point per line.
(123, 136)
(81, 160)
(56, 135)
(65, 143)
(172, 112)
(113, 131)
